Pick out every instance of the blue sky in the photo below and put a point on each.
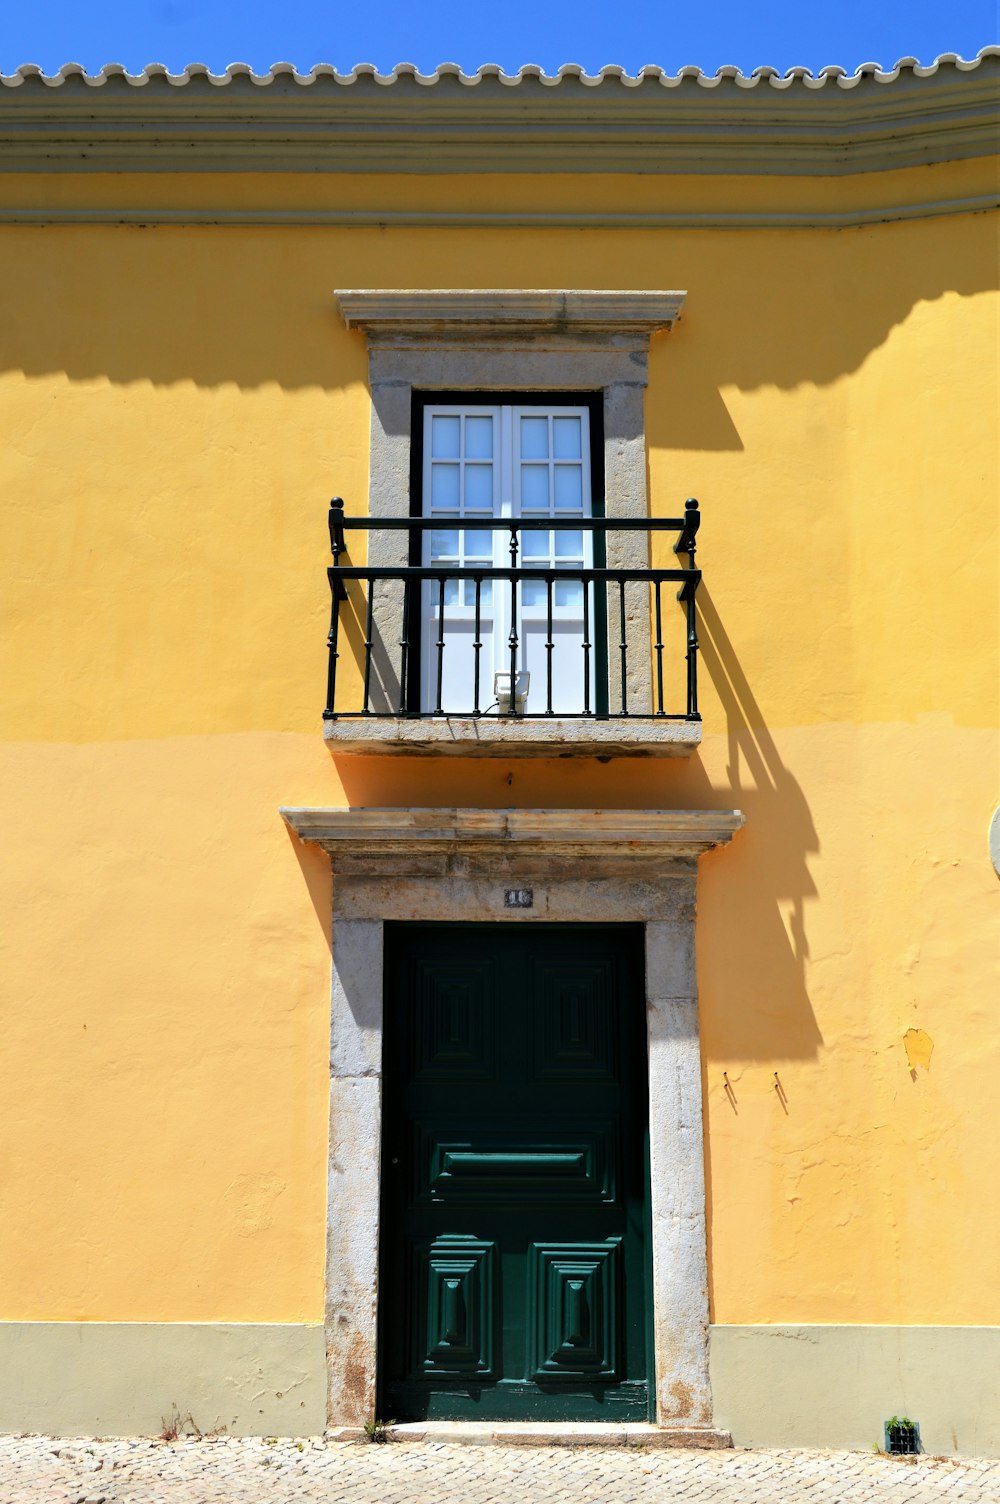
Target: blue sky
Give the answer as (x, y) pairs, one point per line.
(708, 33)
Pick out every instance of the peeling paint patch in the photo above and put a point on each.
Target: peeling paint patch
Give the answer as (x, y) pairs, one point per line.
(252, 1198)
(919, 1048)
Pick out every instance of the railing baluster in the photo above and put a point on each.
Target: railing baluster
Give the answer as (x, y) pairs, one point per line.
(368, 646)
(512, 640)
(550, 646)
(688, 545)
(338, 546)
(586, 648)
(692, 655)
(404, 650)
(659, 649)
(512, 643)
(440, 645)
(623, 645)
(477, 648)
(330, 713)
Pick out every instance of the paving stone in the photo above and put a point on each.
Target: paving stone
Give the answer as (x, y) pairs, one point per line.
(41, 1470)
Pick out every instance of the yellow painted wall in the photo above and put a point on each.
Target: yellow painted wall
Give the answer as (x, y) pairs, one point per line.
(177, 405)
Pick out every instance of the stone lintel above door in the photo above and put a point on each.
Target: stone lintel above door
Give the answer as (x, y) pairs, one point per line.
(578, 843)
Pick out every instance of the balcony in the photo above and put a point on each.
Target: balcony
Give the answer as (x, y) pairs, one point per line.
(514, 637)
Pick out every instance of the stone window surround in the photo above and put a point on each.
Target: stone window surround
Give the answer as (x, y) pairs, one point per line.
(505, 341)
(452, 865)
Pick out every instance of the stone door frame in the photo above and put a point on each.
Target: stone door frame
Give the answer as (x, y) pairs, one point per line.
(439, 866)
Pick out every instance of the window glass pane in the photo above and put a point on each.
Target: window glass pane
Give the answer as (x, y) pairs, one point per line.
(535, 545)
(569, 546)
(534, 438)
(566, 438)
(479, 487)
(535, 488)
(444, 438)
(533, 593)
(444, 545)
(569, 593)
(451, 592)
(444, 487)
(485, 586)
(479, 438)
(569, 487)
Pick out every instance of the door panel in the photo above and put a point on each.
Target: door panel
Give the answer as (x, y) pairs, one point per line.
(574, 1298)
(514, 1279)
(453, 1294)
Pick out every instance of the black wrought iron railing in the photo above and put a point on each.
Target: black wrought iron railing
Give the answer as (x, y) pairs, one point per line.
(637, 654)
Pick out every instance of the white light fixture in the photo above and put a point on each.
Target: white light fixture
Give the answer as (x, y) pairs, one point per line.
(501, 690)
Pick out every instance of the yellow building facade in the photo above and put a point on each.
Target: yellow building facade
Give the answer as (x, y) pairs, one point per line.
(209, 283)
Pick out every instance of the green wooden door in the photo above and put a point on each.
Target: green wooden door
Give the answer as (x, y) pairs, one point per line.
(514, 1272)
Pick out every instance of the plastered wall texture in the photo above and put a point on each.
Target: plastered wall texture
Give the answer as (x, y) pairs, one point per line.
(823, 1386)
(178, 406)
(84, 1378)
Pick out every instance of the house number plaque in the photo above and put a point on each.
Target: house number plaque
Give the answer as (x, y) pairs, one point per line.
(518, 898)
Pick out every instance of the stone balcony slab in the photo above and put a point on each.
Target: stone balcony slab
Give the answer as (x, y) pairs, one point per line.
(488, 736)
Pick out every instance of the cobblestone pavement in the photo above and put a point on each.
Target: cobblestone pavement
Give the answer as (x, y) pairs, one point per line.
(40, 1470)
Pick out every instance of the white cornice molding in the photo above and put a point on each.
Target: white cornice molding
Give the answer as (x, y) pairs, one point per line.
(455, 314)
(449, 122)
(588, 835)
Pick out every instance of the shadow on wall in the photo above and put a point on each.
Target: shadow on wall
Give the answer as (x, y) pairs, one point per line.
(752, 959)
(753, 996)
(255, 307)
(315, 867)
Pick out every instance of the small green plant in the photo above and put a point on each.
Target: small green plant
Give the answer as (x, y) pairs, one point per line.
(378, 1431)
(175, 1424)
(902, 1436)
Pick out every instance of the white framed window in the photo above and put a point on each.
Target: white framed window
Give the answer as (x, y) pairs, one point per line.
(498, 347)
(529, 462)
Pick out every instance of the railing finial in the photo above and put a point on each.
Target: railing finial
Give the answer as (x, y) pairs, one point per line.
(335, 520)
(692, 522)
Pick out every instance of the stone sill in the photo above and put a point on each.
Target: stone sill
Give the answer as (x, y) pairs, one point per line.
(553, 1434)
(488, 736)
